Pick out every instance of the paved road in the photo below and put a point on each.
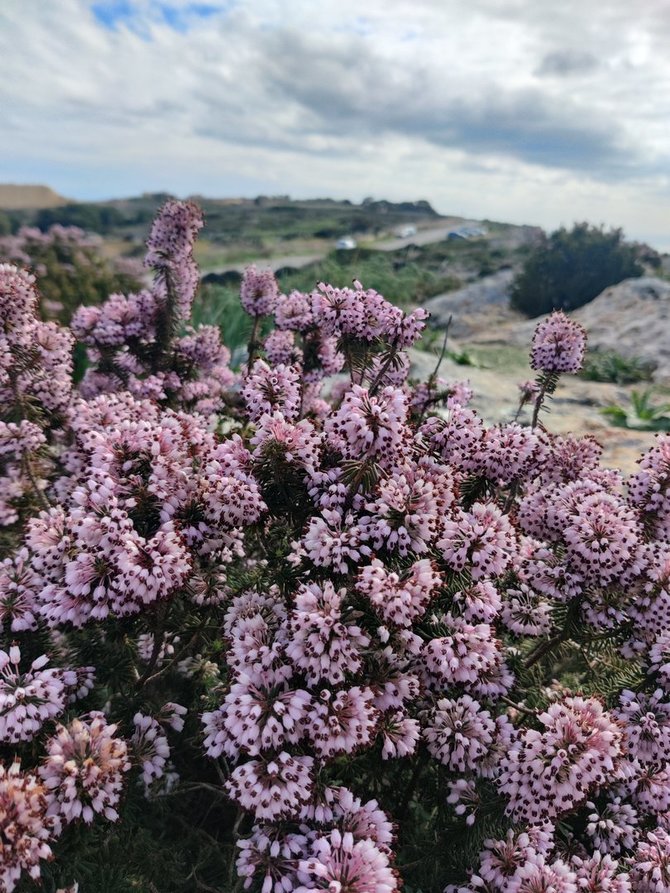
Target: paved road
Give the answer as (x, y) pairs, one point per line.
(422, 237)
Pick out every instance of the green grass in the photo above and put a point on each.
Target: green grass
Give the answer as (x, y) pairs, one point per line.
(611, 367)
(403, 282)
(219, 306)
(643, 414)
(500, 357)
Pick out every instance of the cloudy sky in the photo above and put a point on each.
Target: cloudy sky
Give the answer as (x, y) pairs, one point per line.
(520, 110)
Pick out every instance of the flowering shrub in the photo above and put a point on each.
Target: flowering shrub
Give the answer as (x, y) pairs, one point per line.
(314, 626)
(70, 267)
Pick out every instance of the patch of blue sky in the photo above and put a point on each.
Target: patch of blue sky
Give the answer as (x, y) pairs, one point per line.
(110, 13)
(182, 17)
(179, 16)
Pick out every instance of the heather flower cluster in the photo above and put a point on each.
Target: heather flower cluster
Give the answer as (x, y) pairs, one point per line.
(343, 633)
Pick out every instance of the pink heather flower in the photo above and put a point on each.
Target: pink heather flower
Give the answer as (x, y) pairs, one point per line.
(150, 747)
(145, 648)
(259, 292)
(259, 718)
(649, 488)
(268, 390)
(19, 585)
(558, 345)
(659, 660)
(465, 799)
(153, 569)
(547, 773)
(18, 304)
(294, 312)
(271, 856)
(544, 512)
(120, 320)
(362, 314)
(646, 725)
(341, 722)
(324, 643)
(479, 602)
(550, 577)
(78, 683)
(650, 865)
(272, 788)
(501, 860)
(480, 540)
(365, 427)
(25, 828)
(600, 874)
(651, 792)
(524, 613)
(173, 715)
(83, 770)
(509, 452)
(295, 444)
(458, 733)
(257, 649)
(255, 627)
(170, 253)
(528, 390)
(399, 735)
(280, 347)
(650, 610)
(462, 655)
(365, 821)
(571, 457)
(540, 876)
(407, 512)
(393, 680)
(330, 359)
(27, 699)
(399, 599)
(494, 681)
(602, 538)
(21, 439)
(455, 435)
(333, 541)
(612, 828)
(339, 862)
(410, 328)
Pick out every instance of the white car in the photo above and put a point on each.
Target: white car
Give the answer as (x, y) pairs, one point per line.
(346, 243)
(406, 231)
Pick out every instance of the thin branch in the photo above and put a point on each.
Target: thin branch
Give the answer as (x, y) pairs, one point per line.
(545, 648)
(155, 651)
(179, 656)
(39, 493)
(432, 378)
(253, 345)
(511, 703)
(379, 378)
(443, 352)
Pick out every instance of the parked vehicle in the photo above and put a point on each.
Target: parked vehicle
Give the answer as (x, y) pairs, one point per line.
(404, 232)
(346, 243)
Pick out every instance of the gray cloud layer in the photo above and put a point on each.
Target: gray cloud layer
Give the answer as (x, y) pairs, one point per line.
(520, 94)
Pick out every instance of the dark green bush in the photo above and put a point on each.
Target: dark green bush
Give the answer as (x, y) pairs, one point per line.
(569, 268)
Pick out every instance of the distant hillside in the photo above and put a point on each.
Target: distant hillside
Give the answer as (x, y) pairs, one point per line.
(245, 223)
(25, 196)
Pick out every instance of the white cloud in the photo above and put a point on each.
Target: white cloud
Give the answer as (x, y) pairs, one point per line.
(510, 109)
